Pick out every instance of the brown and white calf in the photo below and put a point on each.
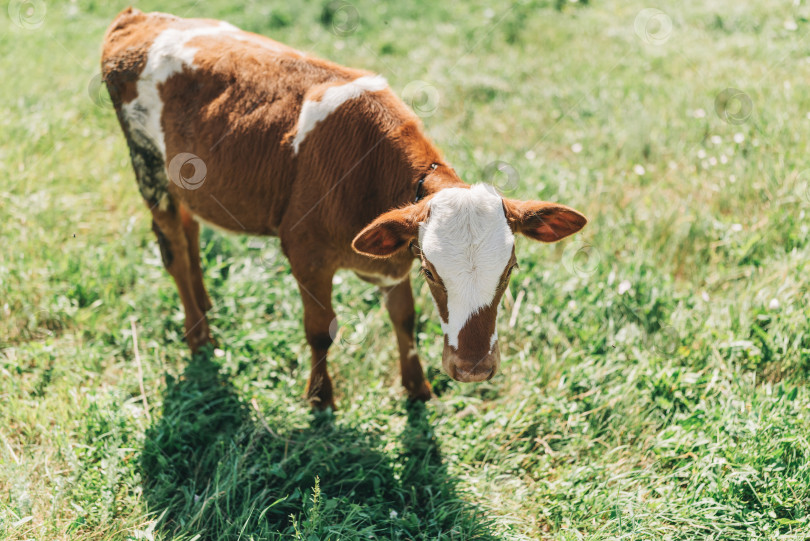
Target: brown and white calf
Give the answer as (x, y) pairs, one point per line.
(248, 134)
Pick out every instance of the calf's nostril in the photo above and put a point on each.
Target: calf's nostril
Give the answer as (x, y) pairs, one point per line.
(473, 374)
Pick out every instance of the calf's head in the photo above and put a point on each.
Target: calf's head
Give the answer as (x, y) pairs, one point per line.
(466, 243)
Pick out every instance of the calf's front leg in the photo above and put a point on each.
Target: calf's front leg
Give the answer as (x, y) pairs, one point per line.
(399, 302)
(315, 286)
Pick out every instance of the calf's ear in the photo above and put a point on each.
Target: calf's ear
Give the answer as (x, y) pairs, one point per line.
(390, 232)
(543, 221)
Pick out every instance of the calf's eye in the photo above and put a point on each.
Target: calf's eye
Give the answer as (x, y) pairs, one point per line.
(428, 274)
(509, 274)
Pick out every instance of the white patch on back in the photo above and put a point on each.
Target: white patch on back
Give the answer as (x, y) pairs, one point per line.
(469, 242)
(167, 56)
(313, 112)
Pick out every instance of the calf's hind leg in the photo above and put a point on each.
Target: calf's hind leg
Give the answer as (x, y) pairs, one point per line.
(192, 231)
(177, 232)
(174, 250)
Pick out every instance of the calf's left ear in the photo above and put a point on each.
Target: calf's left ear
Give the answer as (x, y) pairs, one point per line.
(390, 232)
(539, 220)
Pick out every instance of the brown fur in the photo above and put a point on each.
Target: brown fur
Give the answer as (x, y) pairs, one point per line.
(237, 110)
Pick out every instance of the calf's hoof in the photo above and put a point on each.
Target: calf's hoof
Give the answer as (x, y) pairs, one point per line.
(421, 392)
(319, 393)
(198, 336)
(321, 403)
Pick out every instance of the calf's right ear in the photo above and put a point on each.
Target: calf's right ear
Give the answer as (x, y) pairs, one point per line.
(390, 232)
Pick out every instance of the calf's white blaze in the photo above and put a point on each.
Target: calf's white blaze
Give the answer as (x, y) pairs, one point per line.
(313, 112)
(469, 242)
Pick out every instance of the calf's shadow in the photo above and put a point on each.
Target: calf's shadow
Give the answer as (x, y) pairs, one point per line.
(210, 468)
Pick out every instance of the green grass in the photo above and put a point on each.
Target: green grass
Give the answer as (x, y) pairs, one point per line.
(653, 382)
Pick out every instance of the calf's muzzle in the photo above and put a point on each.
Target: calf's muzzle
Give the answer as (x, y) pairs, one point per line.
(466, 367)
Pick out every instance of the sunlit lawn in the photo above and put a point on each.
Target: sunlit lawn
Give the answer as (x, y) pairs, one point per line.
(654, 367)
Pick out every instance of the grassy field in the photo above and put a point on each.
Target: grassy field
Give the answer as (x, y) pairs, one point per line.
(654, 372)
